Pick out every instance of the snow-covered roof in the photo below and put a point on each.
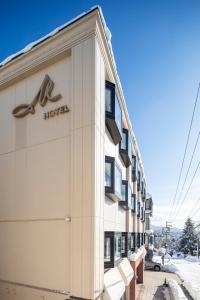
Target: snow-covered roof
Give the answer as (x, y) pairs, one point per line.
(30, 46)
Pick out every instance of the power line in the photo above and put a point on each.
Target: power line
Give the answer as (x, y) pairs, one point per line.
(185, 151)
(193, 211)
(196, 211)
(181, 205)
(186, 176)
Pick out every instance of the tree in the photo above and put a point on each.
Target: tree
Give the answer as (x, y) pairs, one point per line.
(188, 239)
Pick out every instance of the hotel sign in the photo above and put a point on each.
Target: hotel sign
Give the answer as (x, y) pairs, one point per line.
(42, 97)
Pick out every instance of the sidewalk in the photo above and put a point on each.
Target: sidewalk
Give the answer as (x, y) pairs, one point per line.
(152, 288)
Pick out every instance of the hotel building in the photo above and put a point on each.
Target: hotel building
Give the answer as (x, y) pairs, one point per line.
(72, 184)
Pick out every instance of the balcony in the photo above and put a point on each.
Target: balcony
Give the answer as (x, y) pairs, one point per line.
(113, 179)
(113, 113)
(126, 201)
(126, 244)
(125, 148)
(134, 168)
(112, 248)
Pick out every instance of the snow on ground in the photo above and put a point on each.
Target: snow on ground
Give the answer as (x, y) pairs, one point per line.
(176, 290)
(188, 270)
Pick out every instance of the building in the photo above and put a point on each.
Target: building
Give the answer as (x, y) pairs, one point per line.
(149, 233)
(72, 184)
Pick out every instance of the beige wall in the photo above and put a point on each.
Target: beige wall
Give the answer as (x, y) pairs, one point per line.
(54, 169)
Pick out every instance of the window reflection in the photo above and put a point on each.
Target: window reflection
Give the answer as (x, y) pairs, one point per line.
(108, 174)
(108, 101)
(118, 181)
(107, 249)
(117, 247)
(118, 114)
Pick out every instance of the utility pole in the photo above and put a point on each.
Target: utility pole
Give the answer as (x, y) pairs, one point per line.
(167, 231)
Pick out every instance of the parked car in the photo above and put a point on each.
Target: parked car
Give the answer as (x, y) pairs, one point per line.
(150, 265)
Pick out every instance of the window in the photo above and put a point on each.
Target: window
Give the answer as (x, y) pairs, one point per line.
(133, 204)
(144, 194)
(126, 201)
(107, 249)
(113, 179)
(138, 240)
(125, 148)
(142, 187)
(126, 244)
(112, 248)
(123, 249)
(138, 209)
(113, 113)
(134, 168)
(142, 214)
(149, 205)
(139, 181)
(108, 174)
(133, 241)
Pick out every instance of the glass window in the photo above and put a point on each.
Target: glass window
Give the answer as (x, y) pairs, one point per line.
(123, 141)
(123, 192)
(132, 241)
(123, 246)
(107, 249)
(118, 181)
(117, 247)
(134, 162)
(108, 174)
(108, 100)
(129, 197)
(118, 114)
(129, 244)
(138, 209)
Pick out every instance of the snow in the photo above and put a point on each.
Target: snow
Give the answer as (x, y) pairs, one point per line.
(176, 290)
(188, 269)
(140, 252)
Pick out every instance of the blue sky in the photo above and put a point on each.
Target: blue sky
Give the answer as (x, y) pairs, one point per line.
(157, 50)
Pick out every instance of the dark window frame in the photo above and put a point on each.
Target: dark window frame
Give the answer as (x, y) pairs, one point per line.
(134, 238)
(134, 168)
(127, 251)
(138, 209)
(113, 262)
(126, 153)
(110, 191)
(138, 240)
(111, 122)
(139, 181)
(134, 209)
(126, 204)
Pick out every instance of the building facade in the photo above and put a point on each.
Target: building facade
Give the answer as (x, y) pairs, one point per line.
(72, 184)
